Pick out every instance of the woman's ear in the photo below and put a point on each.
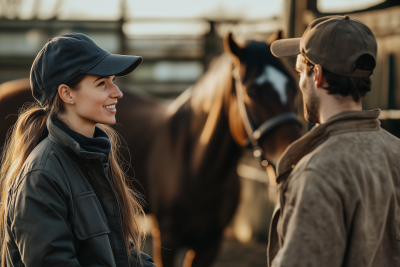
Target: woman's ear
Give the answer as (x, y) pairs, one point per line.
(232, 47)
(65, 93)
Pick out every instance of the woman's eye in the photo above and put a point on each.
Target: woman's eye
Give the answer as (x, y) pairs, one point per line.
(101, 84)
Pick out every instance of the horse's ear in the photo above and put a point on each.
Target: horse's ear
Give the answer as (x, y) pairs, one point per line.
(276, 36)
(231, 46)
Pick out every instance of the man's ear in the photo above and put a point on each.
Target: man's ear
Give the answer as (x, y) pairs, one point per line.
(276, 36)
(232, 47)
(318, 77)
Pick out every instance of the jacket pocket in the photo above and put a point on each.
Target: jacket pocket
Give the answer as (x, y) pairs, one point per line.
(89, 218)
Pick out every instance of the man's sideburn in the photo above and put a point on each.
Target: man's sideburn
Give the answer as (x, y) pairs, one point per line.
(310, 102)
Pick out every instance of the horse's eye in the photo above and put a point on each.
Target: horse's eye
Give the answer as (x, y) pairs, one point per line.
(252, 95)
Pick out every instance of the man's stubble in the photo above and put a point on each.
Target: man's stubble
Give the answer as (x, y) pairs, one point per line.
(311, 103)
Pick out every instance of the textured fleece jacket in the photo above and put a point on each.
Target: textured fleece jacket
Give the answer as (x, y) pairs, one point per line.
(339, 196)
(61, 210)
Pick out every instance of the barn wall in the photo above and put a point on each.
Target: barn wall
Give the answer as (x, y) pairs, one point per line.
(385, 24)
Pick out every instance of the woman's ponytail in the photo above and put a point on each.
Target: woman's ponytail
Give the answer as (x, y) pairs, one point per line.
(29, 130)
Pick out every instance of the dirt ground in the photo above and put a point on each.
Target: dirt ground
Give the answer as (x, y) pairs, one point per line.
(236, 254)
(232, 254)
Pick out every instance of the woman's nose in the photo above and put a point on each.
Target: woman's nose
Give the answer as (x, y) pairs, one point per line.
(116, 92)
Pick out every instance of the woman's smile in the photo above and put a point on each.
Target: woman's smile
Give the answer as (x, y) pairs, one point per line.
(110, 108)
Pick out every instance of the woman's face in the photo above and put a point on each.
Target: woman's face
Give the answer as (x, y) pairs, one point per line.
(95, 100)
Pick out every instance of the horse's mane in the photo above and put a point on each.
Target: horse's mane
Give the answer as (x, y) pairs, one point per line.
(213, 84)
(211, 87)
(208, 98)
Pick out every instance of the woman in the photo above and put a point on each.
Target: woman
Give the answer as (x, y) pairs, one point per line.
(65, 197)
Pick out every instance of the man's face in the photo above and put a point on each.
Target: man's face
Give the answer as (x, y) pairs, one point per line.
(307, 87)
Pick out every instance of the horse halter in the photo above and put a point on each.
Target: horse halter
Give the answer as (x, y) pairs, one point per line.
(254, 135)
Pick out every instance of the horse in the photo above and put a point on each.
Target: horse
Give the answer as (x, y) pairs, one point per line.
(184, 153)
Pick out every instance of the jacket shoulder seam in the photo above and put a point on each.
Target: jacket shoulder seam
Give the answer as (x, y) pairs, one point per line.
(44, 164)
(41, 170)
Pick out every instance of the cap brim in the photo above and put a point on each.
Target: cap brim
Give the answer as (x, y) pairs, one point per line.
(112, 64)
(286, 47)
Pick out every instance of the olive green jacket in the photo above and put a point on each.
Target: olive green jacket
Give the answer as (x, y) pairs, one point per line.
(62, 210)
(339, 202)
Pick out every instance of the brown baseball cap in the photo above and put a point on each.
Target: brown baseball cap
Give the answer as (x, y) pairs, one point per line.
(334, 42)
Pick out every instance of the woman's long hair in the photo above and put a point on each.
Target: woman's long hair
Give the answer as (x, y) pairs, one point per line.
(30, 129)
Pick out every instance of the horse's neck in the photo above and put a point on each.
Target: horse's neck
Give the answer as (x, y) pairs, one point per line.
(201, 127)
(138, 117)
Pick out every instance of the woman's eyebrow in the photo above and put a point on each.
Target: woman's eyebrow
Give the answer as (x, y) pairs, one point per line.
(101, 77)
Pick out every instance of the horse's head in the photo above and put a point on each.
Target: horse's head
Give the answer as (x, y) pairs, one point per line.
(262, 99)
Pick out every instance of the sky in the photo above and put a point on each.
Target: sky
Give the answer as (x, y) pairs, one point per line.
(212, 9)
(110, 9)
(327, 6)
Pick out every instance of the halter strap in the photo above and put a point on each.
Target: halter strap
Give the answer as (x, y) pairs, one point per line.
(272, 123)
(242, 106)
(253, 134)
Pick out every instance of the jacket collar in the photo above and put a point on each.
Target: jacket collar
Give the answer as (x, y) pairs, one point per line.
(72, 147)
(347, 121)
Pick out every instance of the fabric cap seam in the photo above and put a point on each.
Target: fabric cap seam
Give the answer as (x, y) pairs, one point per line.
(329, 38)
(98, 62)
(365, 42)
(80, 58)
(366, 45)
(45, 71)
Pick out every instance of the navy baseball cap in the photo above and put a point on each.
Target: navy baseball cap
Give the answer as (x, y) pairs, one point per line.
(68, 55)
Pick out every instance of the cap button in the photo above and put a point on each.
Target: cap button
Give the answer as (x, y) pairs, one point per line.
(346, 17)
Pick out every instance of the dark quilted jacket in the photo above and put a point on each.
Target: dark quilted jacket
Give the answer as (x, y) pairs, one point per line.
(62, 210)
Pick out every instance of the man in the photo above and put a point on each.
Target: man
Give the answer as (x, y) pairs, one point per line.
(339, 201)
